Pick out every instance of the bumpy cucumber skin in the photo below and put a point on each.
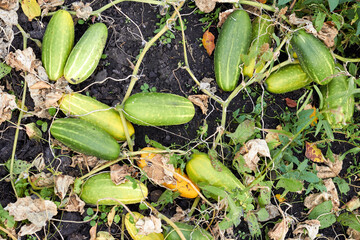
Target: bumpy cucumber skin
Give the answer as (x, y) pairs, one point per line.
(158, 109)
(262, 29)
(337, 111)
(85, 137)
(201, 170)
(132, 230)
(314, 57)
(101, 186)
(57, 44)
(189, 231)
(234, 40)
(109, 120)
(286, 79)
(86, 54)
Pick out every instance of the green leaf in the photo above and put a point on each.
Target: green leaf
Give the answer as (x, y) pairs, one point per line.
(342, 184)
(333, 4)
(233, 217)
(243, 132)
(4, 70)
(319, 21)
(322, 213)
(289, 184)
(19, 166)
(309, 177)
(283, 2)
(352, 69)
(253, 224)
(262, 214)
(349, 220)
(4, 215)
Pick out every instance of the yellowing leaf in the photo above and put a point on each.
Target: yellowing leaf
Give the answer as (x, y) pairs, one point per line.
(307, 107)
(208, 42)
(279, 198)
(313, 153)
(31, 8)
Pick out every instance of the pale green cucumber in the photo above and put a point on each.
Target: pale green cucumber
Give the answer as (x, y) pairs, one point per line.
(57, 44)
(286, 79)
(234, 41)
(314, 57)
(130, 224)
(158, 109)
(86, 54)
(85, 137)
(98, 113)
(101, 186)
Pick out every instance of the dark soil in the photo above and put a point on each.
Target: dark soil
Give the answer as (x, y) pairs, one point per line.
(160, 70)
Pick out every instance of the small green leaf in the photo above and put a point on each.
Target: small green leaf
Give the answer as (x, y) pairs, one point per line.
(342, 185)
(4, 70)
(319, 21)
(349, 220)
(283, 2)
(19, 166)
(333, 4)
(262, 214)
(243, 132)
(322, 213)
(253, 224)
(289, 184)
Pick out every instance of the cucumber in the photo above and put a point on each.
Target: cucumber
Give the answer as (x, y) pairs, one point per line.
(314, 57)
(338, 108)
(130, 222)
(234, 40)
(85, 137)
(158, 109)
(86, 54)
(57, 44)
(286, 79)
(101, 186)
(190, 232)
(200, 170)
(109, 120)
(262, 29)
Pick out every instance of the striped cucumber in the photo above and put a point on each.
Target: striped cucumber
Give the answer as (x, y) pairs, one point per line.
(85, 137)
(234, 40)
(338, 108)
(262, 29)
(158, 109)
(101, 186)
(86, 54)
(189, 231)
(101, 114)
(57, 44)
(314, 57)
(286, 79)
(130, 224)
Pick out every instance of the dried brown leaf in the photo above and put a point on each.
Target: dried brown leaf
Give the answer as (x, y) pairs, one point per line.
(159, 170)
(208, 41)
(200, 101)
(180, 215)
(22, 60)
(314, 199)
(28, 229)
(223, 16)
(327, 34)
(92, 232)
(84, 161)
(9, 5)
(332, 169)
(62, 184)
(7, 104)
(353, 204)
(353, 234)
(39, 162)
(75, 204)
(331, 189)
(280, 229)
(273, 138)
(205, 83)
(37, 211)
(252, 150)
(290, 103)
(205, 6)
(118, 173)
(111, 215)
(42, 179)
(147, 225)
(306, 21)
(82, 10)
(308, 228)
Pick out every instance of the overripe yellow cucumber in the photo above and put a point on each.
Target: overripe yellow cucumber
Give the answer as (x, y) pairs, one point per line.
(57, 44)
(130, 222)
(86, 54)
(158, 109)
(98, 113)
(85, 137)
(100, 186)
(234, 41)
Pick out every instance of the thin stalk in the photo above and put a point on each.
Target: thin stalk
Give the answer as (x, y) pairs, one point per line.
(126, 130)
(109, 5)
(346, 59)
(8, 233)
(193, 206)
(258, 5)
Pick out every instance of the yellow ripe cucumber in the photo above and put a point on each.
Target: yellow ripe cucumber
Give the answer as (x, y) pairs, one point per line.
(98, 113)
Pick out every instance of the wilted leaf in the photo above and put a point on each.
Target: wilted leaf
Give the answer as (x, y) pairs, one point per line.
(92, 232)
(28, 229)
(9, 4)
(159, 170)
(327, 34)
(111, 215)
(272, 138)
(42, 179)
(31, 8)
(205, 84)
(353, 234)
(290, 103)
(200, 101)
(48, 5)
(62, 184)
(223, 16)
(353, 204)
(331, 189)
(280, 229)
(39, 162)
(102, 235)
(33, 131)
(313, 153)
(315, 199)
(252, 150)
(118, 173)
(84, 161)
(7, 104)
(208, 42)
(332, 169)
(308, 228)
(82, 10)
(75, 204)
(180, 215)
(147, 225)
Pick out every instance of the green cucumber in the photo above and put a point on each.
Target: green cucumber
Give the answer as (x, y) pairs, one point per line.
(101, 114)
(262, 29)
(57, 44)
(338, 107)
(130, 224)
(286, 79)
(158, 109)
(200, 169)
(189, 231)
(85, 137)
(234, 40)
(86, 54)
(314, 57)
(101, 186)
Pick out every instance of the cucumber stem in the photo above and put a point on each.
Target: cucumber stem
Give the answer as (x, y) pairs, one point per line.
(126, 130)
(258, 5)
(193, 206)
(343, 59)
